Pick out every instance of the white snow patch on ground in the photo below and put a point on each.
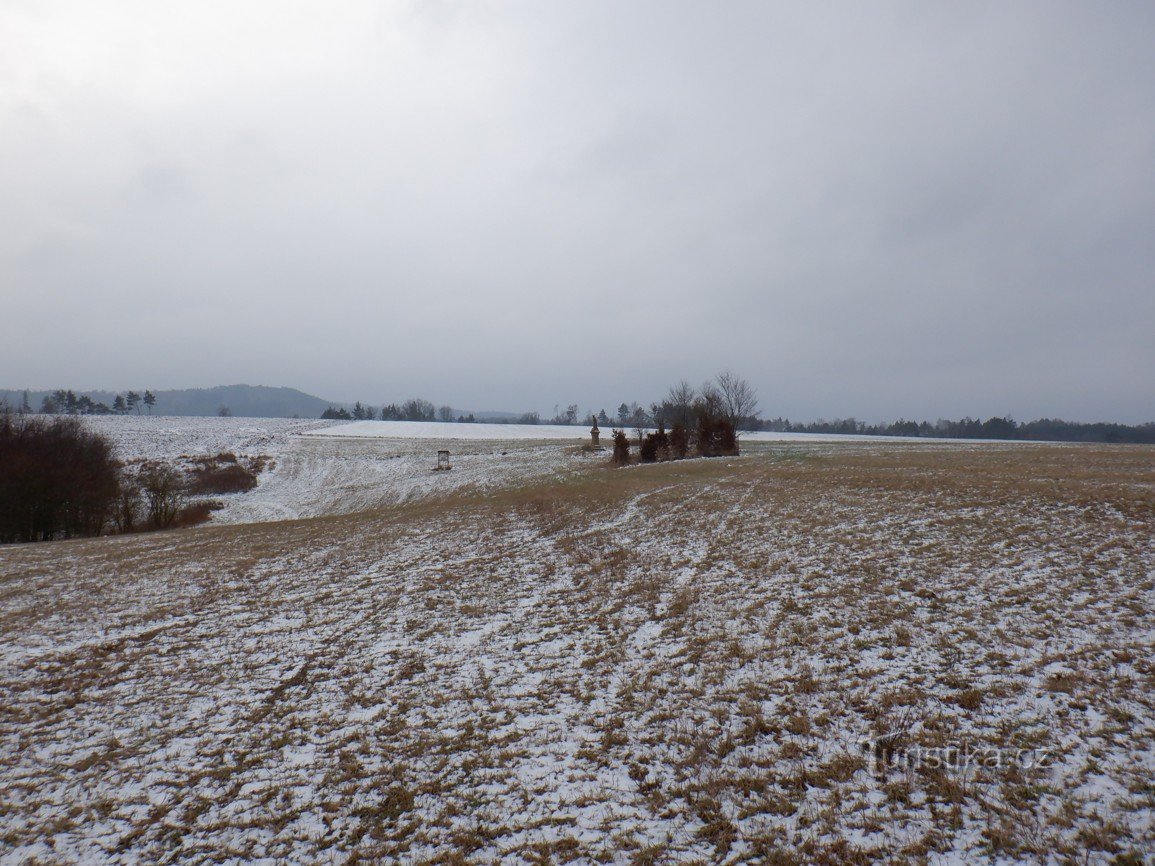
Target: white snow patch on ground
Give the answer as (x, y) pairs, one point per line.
(161, 437)
(449, 431)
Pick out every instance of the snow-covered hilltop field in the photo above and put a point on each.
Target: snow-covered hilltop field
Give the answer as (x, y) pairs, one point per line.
(321, 467)
(157, 437)
(820, 652)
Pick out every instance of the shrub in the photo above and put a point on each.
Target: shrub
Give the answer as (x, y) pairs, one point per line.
(126, 508)
(649, 450)
(197, 512)
(679, 442)
(716, 436)
(164, 493)
(704, 435)
(662, 442)
(656, 446)
(57, 479)
(726, 438)
(221, 474)
(621, 448)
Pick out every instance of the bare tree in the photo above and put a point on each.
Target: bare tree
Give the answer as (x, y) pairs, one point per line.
(445, 413)
(639, 420)
(679, 405)
(164, 492)
(58, 479)
(709, 402)
(738, 400)
(416, 409)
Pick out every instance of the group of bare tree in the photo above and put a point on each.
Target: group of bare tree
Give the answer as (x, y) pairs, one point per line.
(702, 421)
(59, 479)
(727, 396)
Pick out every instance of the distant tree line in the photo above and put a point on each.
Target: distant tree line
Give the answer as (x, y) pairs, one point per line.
(67, 402)
(732, 394)
(414, 409)
(1043, 430)
(732, 397)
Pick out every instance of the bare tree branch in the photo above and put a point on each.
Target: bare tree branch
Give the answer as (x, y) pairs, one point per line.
(738, 399)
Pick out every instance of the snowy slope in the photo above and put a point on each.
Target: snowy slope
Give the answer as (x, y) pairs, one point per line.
(312, 476)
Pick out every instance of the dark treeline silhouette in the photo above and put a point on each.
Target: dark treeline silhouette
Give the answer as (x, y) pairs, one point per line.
(414, 409)
(249, 401)
(57, 479)
(1043, 430)
(68, 402)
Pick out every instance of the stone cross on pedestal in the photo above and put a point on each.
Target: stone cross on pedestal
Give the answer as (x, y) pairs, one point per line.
(595, 433)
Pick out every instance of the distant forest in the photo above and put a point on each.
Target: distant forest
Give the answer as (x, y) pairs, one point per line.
(1043, 430)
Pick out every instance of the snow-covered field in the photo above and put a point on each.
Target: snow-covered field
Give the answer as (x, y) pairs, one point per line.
(520, 432)
(310, 476)
(322, 467)
(166, 437)
(667, 663)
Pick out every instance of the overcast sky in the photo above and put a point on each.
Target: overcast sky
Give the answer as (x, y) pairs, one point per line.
(869, 209)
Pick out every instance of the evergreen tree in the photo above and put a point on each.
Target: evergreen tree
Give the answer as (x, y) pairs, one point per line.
(133, 401)
(149, 400)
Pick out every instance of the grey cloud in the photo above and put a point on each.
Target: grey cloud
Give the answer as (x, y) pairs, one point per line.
(900, 209)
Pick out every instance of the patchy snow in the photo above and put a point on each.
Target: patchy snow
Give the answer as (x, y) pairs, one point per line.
(669, 664)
